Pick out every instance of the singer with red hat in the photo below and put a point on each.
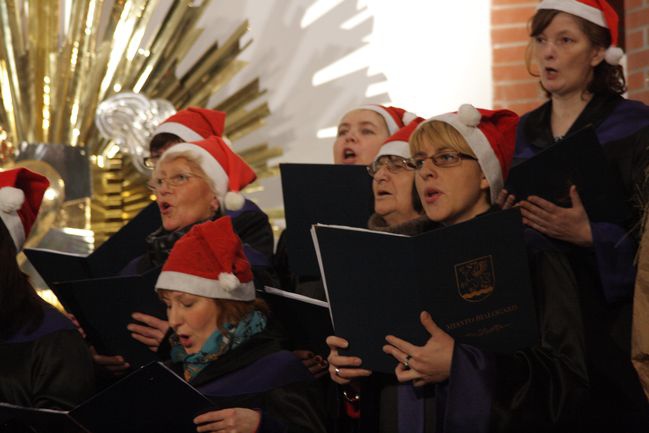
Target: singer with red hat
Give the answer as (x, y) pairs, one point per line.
(45, 362)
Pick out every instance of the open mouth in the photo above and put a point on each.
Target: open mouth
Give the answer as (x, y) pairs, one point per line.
(164, 207)
(349, 155)
(551, 72)
(431, 195)
(185, 340)
(383, 193)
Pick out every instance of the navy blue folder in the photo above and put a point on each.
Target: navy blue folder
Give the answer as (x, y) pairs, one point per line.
(103, 307)
(579, 160)
(151, 399)
(325, 194)
(472, 277)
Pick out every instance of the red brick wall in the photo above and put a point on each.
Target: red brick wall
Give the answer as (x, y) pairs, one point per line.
(514, 88)
(637, 48)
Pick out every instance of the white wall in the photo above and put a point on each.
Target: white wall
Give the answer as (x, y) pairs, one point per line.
(428, 56)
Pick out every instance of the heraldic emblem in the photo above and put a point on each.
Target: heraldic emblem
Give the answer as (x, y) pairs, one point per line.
(475, 279)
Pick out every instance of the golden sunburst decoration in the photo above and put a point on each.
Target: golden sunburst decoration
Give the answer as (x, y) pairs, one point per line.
(59, 59)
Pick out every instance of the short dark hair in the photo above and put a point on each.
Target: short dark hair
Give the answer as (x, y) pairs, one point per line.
(607, 78)
(163, 139)
(20, 305)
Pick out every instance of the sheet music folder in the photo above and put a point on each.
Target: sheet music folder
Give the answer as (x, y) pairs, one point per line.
(107, 260)
(471, 277)
(151, 399)
(580, 160)
(326, 194)
(103, 307)
(306, 321)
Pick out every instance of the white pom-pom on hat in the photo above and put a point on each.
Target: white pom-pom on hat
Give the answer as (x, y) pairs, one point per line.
(469, 115)
(228, 281)
(234, 200)
(11, 199)
(613, 55)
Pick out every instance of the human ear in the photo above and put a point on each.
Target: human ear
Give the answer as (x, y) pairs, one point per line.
(214, 203)
(598, 56)
(484, 183)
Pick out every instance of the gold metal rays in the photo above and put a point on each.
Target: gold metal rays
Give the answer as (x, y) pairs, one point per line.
(60, 58)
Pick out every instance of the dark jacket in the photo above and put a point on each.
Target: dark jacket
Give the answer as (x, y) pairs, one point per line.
(622, 127)
(48, 368)
(261, 375)
(555, 386)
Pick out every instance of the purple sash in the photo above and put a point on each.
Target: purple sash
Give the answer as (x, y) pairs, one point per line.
(270, 372)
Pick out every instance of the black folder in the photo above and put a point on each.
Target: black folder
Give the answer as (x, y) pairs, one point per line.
(472, 277)
(103, 307)
(306, 321)
(151, 399)
(107, 260)
(576, 160)
(325, 194)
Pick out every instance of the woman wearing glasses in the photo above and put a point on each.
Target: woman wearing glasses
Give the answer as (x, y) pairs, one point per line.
(462, 160)
(193, 182)
(397, 209)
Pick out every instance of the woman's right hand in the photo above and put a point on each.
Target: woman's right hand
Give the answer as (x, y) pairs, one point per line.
(150, 332)
(505, 200)
(114, 364)
(343, 369)
(316, 364)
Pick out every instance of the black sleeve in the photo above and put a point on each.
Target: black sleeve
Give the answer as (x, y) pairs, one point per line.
(63, 372)
(254, 229)
(296, 408)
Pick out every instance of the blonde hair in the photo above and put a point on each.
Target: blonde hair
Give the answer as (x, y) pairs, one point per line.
(194, 161)
(440, 133)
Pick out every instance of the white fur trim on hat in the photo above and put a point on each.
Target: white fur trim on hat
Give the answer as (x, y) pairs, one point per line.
(613, 55)
(208, 163)
(398, 148)
(577, 8)
(11, 199)
(187, 283)
(234, 200)
(389, 120)
(228, 281)
(182, 131)
(408, 117)
(480, 145)
(469, 115)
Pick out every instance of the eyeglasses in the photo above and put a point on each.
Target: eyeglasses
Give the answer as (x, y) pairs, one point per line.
(447, 158)
(393, 163)
(172, 181)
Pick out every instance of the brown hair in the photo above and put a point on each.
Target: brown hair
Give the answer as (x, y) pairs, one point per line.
(163, 139)
(233, 311)
(606, 78)
(436, 131)
(20, 306)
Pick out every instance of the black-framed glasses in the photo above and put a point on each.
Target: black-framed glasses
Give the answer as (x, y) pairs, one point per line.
(172, 181)
(444, 159)
(393, 163)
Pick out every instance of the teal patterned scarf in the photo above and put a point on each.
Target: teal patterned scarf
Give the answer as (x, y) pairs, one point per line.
(220, 342)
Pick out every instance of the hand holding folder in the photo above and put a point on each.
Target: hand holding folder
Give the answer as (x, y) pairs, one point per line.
(472, 277)
(576, 160)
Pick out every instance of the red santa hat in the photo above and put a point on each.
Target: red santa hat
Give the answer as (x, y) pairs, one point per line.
(491, 134)
(395, 117)
(193, 124)
(597, 12)
(227, 171)
(209, 261)
(397, 144)
(21, 194)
